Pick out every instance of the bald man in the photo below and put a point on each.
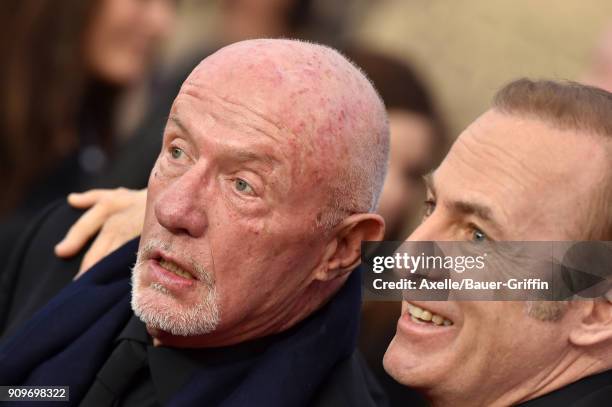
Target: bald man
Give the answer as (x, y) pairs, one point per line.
(272, 162)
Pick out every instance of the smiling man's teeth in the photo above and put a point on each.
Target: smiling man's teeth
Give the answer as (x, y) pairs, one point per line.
(168, 265)
(421, 315)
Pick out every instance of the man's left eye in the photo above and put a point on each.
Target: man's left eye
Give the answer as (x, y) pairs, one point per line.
(478, 235)
(243, 186)
(176, 153)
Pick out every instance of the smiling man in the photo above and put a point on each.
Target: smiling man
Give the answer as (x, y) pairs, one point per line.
(273, 158)
(537, 166)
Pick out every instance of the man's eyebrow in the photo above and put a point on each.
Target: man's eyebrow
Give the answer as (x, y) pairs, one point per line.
(178, 123)
(246, 156)
(473, 208)
(482, 211)
(238, 155)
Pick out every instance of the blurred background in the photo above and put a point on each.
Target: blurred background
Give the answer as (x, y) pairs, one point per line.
(86, 86)
(464, 50)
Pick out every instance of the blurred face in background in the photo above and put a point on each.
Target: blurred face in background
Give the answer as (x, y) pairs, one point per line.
(247, 19)
(124, 36)
(410, 157)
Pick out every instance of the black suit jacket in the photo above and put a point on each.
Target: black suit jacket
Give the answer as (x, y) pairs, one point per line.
(34, 274)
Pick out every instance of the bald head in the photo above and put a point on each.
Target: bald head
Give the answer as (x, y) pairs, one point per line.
(320, 104)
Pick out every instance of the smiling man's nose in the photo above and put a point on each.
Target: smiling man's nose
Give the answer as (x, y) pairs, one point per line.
(430, 230)
(180, 207)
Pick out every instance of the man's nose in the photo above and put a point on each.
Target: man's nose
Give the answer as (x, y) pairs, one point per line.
(431, 229)
(181, 206)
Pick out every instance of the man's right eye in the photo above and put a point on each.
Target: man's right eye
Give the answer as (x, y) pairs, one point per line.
(429, 206)
(478, 235)
(176, 152)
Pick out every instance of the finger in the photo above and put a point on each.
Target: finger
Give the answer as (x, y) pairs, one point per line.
(101, 246)
(88, 198)
(80, 233)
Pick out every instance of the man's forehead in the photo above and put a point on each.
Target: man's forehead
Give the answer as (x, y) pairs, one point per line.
(526, 147)
(239, 101)
(322, 104)
(300, 83)
(312, 93)
(202, 107)
(245, 142)
(519, 166)
(279, 66)
(276, 58)
(247, 133)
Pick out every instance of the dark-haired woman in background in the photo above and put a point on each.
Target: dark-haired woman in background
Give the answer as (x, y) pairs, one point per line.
(65, 65)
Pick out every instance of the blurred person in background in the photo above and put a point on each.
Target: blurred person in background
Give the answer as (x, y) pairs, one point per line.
(599, 71)
(418, 144)
(65, 66)
(246, 19)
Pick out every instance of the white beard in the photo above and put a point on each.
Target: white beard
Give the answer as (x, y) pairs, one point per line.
(179, 320)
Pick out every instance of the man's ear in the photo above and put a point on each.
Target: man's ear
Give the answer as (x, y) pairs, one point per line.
(595, 324)
(343, 252)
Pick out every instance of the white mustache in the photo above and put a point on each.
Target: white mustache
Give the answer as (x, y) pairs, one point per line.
(145, 253)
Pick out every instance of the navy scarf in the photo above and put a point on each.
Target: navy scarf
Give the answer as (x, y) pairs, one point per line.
(67, 341)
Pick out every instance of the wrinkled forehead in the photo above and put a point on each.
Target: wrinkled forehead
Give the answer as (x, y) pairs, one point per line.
(292, 101)
(522, 165)
(529, 148)
(313, 96)
(275, 81)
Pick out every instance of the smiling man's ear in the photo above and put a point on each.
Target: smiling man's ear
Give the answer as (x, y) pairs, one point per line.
(595, 324)
(343, 251)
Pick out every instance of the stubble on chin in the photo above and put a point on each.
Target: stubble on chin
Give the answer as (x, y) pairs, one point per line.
(157, 308)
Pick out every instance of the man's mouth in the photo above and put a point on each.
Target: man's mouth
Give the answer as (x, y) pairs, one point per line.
(175, 268)
(424, 316)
